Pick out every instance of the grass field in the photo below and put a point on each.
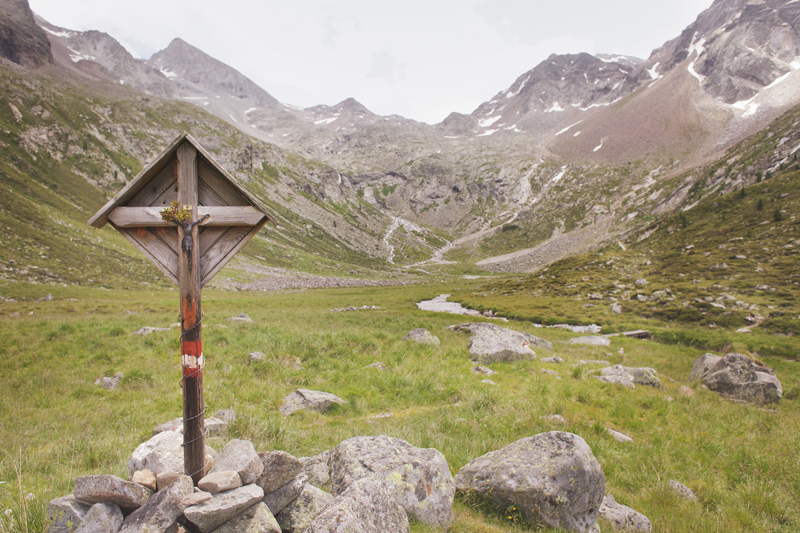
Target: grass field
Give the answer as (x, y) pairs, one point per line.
(55, 424)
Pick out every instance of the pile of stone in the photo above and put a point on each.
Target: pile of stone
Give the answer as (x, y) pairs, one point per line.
(364, 484)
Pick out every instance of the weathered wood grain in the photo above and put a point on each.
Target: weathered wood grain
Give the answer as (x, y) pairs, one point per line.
(164, 182)
(222, 261)
(191, 320)
(132, 217)
(155, 249)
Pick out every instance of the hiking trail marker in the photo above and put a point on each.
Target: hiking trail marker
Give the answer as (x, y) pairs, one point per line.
(223, 217)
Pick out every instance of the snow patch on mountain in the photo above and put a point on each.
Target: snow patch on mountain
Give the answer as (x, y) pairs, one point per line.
(568, 127)
(698, 48)
(486, 122)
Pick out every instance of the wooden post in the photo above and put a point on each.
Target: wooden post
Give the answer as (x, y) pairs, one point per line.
(191, 317)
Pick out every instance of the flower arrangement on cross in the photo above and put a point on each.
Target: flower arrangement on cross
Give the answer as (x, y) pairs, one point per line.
(180, 215)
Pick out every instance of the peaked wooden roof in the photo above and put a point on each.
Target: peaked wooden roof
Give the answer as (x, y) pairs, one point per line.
(138, 183)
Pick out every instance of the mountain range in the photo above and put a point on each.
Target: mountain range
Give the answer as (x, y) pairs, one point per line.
(579, 151)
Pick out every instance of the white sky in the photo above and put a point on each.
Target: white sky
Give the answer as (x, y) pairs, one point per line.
(420, 59)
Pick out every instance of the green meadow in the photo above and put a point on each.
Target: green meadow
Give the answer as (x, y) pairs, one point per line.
(56, 424)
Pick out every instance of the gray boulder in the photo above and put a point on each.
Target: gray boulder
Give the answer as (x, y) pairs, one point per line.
(552, 477)
(278, 499)
(299, 514)
(309, 399)
(101, 518)
(367, 506)
(422, 336)
(491, 343)
(111, 383)
(254, 357)
(736, 377)
(622, 517)
(161, 453)
(214, 427)
(556, 360)
(592, 340)
(616, 308)
(256, 519)
(241, 457)
(209, 515)
(317, 469)
(703, 365)
(616, 377)
(104, 488)
(66, 514)
(682, 490)
(242, 318)
(627, 376)
(221, 481)
(419, 478)
(161, 510)
(279, 469)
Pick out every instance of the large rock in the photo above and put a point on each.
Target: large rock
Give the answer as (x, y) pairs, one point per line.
(256, 519)
(66, 514)
(214, 427)
(161, 510)
(622, 517)
(626, 376)
(422, 336)
(279, 469)
(216, 482)
(703, 365)
(419, 478)
(491, 343)
(317, 469)
(161, 453)
(592, 340)
(736, 377)
(367, 506)
(299, 514)
(104, 488)
(241, 457)
(552, 477)
(278, 499)
(211, 514)
(101, 518)
(309, 399)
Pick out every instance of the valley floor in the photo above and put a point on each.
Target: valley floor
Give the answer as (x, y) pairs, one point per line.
(56, 424)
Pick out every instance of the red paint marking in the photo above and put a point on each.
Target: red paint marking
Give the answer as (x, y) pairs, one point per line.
(192, 348)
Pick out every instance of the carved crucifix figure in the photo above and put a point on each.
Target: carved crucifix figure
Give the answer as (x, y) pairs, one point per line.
(188, 242)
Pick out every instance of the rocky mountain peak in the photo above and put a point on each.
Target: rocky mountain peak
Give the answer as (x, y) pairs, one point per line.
(559, 83)
(736, 48)
(197, 75)
(21, 40)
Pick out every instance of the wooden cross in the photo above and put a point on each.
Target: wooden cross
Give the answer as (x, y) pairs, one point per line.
(223, 217)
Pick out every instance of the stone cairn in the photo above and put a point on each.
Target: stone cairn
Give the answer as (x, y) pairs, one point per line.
(364, 485)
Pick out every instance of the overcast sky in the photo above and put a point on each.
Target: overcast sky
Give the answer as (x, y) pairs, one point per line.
(420, 59)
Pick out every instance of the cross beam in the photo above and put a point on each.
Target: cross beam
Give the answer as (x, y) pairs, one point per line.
(145, 217)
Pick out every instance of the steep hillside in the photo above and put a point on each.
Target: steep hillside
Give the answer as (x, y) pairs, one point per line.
(21, 40)
(66, 148)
